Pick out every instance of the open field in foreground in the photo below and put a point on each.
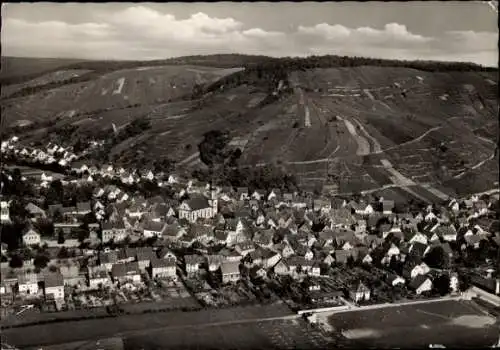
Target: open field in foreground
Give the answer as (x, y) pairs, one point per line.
(451, 323)
(280, 334)
(66, 332)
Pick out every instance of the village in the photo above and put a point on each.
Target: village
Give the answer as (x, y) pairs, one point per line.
(116, 250)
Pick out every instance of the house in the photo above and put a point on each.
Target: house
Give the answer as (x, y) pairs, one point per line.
(28, 284)
(316, 269)
(322, 205)
(257, 272)
(126, 272)
(4, 212)
(418, 237)
(71, 274)
(447, 232)
(127, 255)
(83, 208)
(359, 292)
(98, 276)
(144, 256)
(172, 232)
(304, 251)
(115, 231)
(342, 256)
(418, 250)
(420, 284)
(284, 249)
(153, 229)
(230, 272)
(214, 262)
(54, 285)
(192, 263)
(244, 248)
(108, 259)
(412, 269)
(395, 280)
(269, 258)
(392, 251)
(198, 207)
(275, 193)
(365, 258)
(387, 206)
(163, 268)
(258, 194)
(31, 236)
(362, 208)
(264, 238)
(35, 212)
(242, 194)
(282, 268)
(230, 255)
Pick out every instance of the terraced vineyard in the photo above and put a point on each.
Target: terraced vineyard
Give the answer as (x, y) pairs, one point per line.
(431, 127)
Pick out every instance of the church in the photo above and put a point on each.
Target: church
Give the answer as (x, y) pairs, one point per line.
(198, 207)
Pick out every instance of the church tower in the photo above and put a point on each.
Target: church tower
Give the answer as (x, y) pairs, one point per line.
(213, 202)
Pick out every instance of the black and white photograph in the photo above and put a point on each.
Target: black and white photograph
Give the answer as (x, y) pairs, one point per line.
(249, 175)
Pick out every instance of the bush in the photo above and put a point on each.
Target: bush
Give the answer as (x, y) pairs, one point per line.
(16, 261)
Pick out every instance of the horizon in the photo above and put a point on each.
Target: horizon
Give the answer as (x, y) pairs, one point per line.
(444, 32)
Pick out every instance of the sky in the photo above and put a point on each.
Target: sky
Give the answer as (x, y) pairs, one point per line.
(427, 30)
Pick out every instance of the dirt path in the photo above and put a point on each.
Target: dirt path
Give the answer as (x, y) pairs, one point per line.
(363, 144)
(376, 145)
(414, 140)
(190, 158)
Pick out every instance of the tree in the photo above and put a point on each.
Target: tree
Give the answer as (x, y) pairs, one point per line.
(82, 234)
(41, 261)
(60, 237)
(436, 258)
(212, 147)
(45, 227)
(16, 261)
(441, 285)
(63, 253)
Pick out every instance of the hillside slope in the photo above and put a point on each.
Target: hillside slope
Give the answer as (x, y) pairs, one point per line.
(363, 128)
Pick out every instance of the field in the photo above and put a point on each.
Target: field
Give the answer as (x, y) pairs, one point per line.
(21, 66)
(279, 334)
(287, 334)
(101, 328)
(451, 323)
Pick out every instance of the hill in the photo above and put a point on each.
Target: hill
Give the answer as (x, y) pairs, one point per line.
(424, 128)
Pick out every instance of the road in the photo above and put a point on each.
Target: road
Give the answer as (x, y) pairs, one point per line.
(355, 308)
